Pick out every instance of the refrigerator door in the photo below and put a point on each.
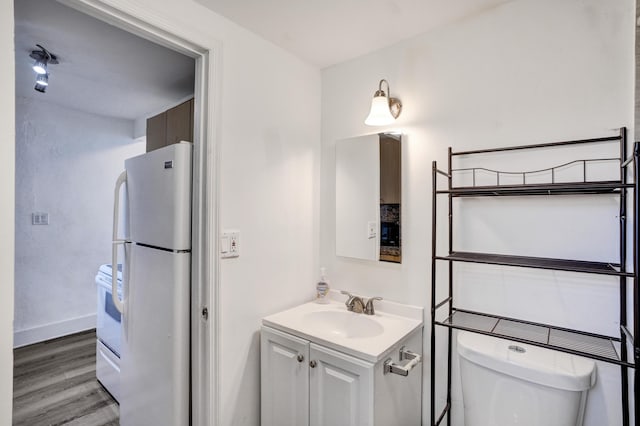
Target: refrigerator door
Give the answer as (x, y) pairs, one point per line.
(159, 197)
(154, 388)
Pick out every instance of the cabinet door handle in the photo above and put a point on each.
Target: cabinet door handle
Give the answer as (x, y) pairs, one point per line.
(312, 364)
(300, 357)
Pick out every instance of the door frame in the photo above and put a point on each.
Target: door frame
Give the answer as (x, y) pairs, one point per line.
(205, 310)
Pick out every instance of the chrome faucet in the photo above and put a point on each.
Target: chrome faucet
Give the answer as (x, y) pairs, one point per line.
(353, 303)
(359, 305)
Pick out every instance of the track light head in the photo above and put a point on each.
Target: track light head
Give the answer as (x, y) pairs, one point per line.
(42, 58)
(40, 67)
(42, 79)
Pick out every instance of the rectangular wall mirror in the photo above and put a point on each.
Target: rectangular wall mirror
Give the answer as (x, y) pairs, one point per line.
(368, 197)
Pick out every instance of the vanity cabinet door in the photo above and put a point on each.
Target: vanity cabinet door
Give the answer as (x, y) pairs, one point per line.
(341, 389)
(285, 379)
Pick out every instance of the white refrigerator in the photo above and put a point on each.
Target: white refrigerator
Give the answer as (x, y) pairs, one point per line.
(154, 375)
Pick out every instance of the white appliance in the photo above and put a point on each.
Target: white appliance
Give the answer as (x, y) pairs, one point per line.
(154, 365)
(108, 332)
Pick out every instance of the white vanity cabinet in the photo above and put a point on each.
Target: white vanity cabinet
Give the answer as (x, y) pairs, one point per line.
(285, 379)
(308, 384)
(340, 389)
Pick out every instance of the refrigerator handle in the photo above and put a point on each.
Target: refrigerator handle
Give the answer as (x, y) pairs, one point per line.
(116, 242)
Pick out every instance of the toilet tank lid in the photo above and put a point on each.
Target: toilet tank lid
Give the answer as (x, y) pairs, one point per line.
(537, 365)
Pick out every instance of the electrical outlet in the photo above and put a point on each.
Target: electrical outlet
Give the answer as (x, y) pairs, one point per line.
(39, 218)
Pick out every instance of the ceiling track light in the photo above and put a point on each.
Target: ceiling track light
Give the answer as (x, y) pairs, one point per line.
(42, 79)
(42, 58)
(384, 109)
(40, 67)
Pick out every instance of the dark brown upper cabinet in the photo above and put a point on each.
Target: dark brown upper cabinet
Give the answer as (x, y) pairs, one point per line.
(171, 126)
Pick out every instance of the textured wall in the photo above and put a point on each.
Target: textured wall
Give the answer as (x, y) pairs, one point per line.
(67, 162)
(527, 71)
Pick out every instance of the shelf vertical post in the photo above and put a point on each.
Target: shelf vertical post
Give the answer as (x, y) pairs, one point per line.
(636, 269)
(624, 372)
(434, 177)
(450, 330)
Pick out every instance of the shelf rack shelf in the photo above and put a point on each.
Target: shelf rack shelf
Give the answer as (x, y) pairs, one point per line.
(601, 187)
(576, 342)
(601, 268)
(608, 349)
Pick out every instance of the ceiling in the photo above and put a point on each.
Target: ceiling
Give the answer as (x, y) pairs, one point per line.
(103, 69)
(327, 32)
(108, 71)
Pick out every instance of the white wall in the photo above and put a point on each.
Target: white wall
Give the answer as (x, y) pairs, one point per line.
(67, 162)
(7, 149)
(265, 111)
(269, 178)
(528, 71)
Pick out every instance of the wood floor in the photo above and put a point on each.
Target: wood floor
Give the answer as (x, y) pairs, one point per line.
(54, 383)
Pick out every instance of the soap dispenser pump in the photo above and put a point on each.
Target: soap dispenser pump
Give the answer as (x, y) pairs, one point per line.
(322, 288)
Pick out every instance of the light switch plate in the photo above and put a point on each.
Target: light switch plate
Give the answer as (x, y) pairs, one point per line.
(230, 244)
(372, 229)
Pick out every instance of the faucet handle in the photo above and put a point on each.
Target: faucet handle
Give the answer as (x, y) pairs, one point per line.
(349, 302)
(368, 309)
(353, 303)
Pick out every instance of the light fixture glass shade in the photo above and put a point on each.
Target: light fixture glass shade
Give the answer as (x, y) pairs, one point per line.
(40, 88)
(40, 67)
(42, 79)
(380, 114)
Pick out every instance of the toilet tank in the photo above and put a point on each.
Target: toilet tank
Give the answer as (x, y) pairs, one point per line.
(513, 384)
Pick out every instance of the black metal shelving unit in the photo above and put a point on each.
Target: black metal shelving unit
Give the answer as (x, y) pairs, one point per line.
(610, 349)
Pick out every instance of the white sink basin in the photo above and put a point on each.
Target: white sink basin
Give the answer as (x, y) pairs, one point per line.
(369, 337)
(343, 323)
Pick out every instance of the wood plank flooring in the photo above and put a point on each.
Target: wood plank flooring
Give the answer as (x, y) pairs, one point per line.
(54, 383)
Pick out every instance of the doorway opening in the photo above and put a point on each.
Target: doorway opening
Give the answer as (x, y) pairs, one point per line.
(49, 129)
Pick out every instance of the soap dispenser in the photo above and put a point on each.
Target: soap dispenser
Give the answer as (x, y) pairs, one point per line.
(322, 288)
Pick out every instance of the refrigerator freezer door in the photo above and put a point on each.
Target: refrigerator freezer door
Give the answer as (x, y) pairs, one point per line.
(154, 386)
(159, 196)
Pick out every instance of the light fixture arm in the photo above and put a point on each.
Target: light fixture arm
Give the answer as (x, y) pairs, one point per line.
(395, 106)
(381, 92)
(47, 55)
(44, 55)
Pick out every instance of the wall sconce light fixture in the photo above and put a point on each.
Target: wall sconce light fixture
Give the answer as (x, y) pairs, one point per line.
(384, 108)
(43, 58)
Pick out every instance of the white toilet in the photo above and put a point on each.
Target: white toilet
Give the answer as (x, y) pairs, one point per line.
(512, 384)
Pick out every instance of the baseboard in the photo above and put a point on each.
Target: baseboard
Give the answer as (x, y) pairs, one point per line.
(53, 330)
